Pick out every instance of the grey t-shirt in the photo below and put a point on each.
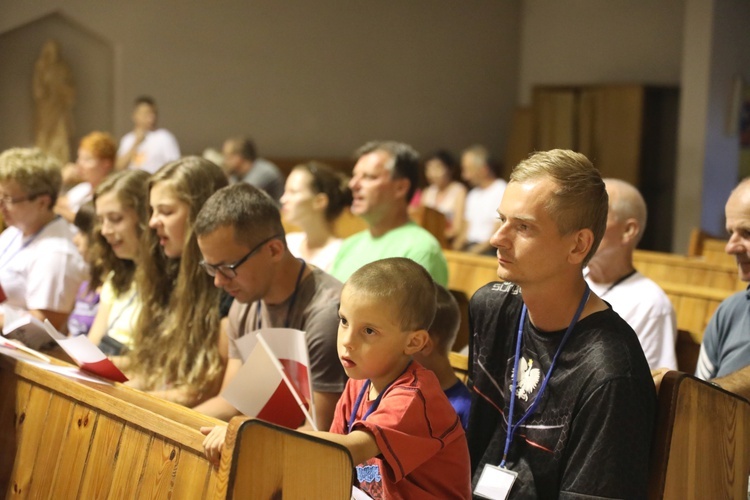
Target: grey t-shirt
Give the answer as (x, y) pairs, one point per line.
(314, 312)
(266, 176)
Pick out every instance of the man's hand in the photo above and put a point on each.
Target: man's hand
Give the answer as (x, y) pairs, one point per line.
(657, 375)
(214, 442)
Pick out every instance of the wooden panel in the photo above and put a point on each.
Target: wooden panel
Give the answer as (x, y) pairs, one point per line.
(158, 476)
(192, 477)
(614, 145)
(468, 272)
(462, 338)
(431, 220)
(31, 414)
(347, 224)
(272, 458)
(460, 365)
(664, 267)
(131, 459)
(75, 446)
(555, 118)
(48, 457)
(521, 139)
(97, 479)
(702, 441)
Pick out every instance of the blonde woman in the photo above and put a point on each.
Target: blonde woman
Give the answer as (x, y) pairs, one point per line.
(176, 353)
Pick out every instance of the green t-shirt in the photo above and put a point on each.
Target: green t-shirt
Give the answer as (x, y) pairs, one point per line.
(410, 241)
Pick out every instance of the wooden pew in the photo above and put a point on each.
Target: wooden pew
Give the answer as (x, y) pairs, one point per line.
(282, 463)
(663, 267)
(701, 446)
(468, 272)
(68, 438)
(694, 306)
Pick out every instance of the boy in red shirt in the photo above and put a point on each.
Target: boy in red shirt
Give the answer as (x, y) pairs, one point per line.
(393, 416)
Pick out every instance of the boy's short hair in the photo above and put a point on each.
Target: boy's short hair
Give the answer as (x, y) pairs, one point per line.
(402, 283)
(444, 327)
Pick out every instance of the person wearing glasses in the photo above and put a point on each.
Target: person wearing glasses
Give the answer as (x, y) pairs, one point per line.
(176, 353)
(40, 267)
(242, 241)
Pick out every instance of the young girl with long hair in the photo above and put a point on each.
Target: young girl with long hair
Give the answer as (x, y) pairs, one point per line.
(120, 203)
(176, 354)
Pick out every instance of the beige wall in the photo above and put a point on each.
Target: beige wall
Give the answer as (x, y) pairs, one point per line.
(595, 41)
(304, 78)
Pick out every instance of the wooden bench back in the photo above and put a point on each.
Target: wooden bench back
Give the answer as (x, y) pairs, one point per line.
(671, 268)
(282, 463)
(65, 438)
(701, 446)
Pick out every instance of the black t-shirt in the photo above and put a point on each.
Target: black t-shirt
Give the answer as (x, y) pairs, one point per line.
(591, 432)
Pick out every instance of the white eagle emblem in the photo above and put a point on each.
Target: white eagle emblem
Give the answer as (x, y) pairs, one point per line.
(528, 379)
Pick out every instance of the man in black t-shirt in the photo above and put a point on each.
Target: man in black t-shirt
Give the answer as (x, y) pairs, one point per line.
(587, 431)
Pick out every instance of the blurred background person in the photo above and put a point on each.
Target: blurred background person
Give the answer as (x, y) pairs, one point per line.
(444, 192)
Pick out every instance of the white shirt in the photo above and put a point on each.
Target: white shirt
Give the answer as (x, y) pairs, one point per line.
(481, 211)
(78, 195)
(325, 256)
(648, 311)
(42, 271)
(159, 147)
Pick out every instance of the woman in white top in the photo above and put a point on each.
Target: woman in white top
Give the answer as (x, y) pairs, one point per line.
(121, 212)
(444, 193)
(40, 267)
(314, 196)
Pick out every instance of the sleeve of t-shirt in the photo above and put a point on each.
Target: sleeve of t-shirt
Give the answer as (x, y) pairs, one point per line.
(125, 144)
(53, 281)
(708, 360)
(405, 437)
(610, 435)
(321, 329)
(434, 262)
(171, 148)
(657, 335)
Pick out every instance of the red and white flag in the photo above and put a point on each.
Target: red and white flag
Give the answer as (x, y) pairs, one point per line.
(273, 383)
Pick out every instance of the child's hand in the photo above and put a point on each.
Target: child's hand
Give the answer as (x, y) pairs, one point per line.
(214, 442)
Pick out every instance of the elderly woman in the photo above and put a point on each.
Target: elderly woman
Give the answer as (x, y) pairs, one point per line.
(40, 267)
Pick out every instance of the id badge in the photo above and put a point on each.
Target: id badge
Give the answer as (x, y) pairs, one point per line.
(495, 483)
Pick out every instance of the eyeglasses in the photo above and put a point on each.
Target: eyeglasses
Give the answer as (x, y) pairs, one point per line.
(9, 200)
(229, 271)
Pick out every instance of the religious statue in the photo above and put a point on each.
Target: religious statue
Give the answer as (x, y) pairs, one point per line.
(54, 95)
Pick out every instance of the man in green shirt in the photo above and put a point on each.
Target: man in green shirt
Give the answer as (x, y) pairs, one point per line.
(383, 183)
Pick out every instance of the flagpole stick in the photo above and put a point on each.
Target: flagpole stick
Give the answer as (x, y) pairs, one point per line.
(288, 382)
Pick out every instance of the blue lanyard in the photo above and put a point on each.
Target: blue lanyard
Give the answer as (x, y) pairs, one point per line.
(24, 245)
(258, 322)
(375, 403)
(512, 428)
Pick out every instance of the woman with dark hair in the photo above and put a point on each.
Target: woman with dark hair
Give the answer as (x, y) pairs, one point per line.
(87, 298)
(444, 193)
(314, 196)
(176, 353)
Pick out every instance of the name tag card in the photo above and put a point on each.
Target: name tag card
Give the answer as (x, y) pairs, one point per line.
(495, 483)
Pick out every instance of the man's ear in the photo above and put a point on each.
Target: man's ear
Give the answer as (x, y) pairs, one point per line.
(416, 341)
(583, 240)
(402, 186)
(277, 248)
(632, 228)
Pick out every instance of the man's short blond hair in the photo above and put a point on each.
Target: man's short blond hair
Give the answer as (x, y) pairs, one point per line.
(580, 200)
(34, 171)
(402, 284)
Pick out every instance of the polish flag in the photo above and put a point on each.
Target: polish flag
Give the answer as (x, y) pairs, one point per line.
(273, 383)
(86, 355)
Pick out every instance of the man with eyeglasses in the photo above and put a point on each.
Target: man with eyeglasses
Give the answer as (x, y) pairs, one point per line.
(242, 240)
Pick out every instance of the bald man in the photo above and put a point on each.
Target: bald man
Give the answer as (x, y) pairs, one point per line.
(725, 351)
(611, 275)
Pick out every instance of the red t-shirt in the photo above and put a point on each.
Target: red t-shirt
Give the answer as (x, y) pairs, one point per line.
(422, 444)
